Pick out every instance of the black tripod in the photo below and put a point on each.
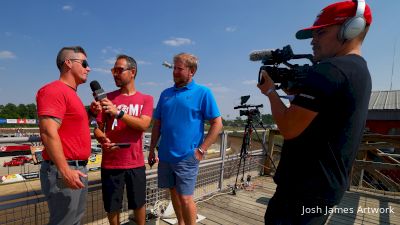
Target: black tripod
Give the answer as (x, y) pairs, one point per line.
(244, 150)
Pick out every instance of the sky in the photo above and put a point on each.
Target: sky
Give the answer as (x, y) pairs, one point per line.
(221, 33)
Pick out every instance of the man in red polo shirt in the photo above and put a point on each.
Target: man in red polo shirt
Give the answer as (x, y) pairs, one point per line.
(64, 129)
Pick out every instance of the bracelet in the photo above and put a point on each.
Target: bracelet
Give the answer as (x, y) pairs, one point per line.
(120, 114)
(201, 150)
(270, 91)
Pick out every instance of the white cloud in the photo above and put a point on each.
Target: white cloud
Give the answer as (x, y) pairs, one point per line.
(7, 55)
(217, 88)
(101, 70)
(8, 34)
(141, 62)
(154, 84)
(67, 8)
(209, 84)
(178, 42)
(27, 37)
(111, 49)
(220, 89)
(249, 82)
(110, 61)
(230, 29)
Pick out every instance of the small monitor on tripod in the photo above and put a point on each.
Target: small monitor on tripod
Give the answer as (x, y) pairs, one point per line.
(244, 99)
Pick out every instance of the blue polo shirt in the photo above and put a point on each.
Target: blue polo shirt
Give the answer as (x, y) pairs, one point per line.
(182, 112)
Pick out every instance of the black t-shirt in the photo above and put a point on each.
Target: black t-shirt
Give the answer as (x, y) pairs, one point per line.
(315, 165)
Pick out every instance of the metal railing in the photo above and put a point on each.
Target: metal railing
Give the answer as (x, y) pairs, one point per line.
(215, 174)
(375, 171)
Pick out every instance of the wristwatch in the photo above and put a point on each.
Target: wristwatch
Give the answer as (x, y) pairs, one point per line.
(120, 114)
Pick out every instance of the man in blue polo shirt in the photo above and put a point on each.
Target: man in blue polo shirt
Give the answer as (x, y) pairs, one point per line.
(179, 123)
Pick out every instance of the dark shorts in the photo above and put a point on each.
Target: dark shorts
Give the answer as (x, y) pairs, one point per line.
(181, 175)
(113, 183)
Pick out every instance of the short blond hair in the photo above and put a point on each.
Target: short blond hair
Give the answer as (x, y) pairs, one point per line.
(189, 60)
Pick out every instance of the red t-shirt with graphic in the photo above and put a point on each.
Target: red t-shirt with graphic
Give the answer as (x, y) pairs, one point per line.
(58, 100)
(118, 132)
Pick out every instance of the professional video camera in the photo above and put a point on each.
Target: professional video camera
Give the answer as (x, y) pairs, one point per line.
(289, 77)
(249, 110)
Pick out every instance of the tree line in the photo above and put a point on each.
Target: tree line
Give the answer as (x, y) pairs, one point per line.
(28, 111)
(12, 111)
(266, 120)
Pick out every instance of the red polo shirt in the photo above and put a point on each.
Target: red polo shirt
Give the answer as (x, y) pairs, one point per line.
(58, 100)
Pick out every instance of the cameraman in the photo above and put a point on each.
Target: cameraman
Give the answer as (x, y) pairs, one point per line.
(323, 126)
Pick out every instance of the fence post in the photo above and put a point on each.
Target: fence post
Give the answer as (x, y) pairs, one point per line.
(365, 153)
(264, 158)
(222, 151)
(270, 152)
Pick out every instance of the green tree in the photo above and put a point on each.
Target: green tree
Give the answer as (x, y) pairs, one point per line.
(9, 111)
(22, 111)
(31, 111)
(267, 119)
(238, 122)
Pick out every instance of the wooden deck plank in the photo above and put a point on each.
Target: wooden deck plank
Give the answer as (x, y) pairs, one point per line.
(236, 216)
(217, 217)
(367, 217)
(207, 222)
(248, 207)
(237, 206)
(355, 200)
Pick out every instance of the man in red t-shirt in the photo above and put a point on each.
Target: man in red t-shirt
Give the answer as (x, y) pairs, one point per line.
(125, 115)
(65, 133)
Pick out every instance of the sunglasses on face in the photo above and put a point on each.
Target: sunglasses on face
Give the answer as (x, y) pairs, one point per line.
(118, 70)
(84, 62)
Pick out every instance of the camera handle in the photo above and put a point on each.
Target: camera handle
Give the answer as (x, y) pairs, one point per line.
(244, 150)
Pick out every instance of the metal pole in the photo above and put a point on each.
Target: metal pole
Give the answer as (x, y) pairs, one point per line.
(222, 151)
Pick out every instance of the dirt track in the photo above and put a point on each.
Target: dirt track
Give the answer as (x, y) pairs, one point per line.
(234, 142)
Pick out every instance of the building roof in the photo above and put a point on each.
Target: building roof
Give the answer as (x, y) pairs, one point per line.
(384, 100)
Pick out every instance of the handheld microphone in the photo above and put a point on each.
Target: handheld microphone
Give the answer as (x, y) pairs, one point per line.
(98, 92)
(167, 64)
(258, 55)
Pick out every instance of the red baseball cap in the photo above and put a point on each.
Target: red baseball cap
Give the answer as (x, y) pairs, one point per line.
(336, 13)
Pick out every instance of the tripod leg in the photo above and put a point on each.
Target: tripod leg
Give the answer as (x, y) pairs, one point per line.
(244, 167)
(265, 151)
(243, 152)
(237, 175)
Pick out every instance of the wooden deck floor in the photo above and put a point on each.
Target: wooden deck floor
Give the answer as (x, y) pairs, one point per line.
(248, 207)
